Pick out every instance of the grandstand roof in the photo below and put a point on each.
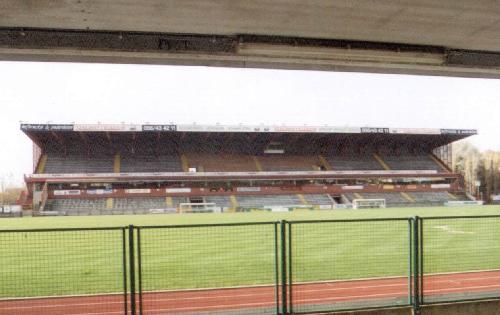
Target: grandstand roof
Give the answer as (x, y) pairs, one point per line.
(62, 133)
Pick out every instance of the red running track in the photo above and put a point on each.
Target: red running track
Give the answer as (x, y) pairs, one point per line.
(252, 298)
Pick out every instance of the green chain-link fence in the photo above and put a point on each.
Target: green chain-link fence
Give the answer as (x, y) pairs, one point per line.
(63, 271)
(250, 268)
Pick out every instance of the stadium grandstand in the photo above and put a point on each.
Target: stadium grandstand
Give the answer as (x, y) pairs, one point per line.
(87, 169)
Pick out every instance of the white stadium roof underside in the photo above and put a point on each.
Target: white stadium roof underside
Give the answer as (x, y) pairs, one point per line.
(448, 37)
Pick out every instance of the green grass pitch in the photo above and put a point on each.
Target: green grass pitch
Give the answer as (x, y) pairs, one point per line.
(67, 263)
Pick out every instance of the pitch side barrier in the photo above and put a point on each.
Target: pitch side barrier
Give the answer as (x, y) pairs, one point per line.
(278, 267)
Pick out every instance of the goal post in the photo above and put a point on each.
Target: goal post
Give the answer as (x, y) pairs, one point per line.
(198, 207)
(368, 203)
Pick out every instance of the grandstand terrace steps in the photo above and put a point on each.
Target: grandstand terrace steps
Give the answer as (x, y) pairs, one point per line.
(280, 162)
(302, 199)
(324, 163)
(375, 161)
(176, 200)
(109, 203)
(436, 160)
(318, 199)
(391, 199)
(117, 164)
(234, 201)
(221, 162)
(257, 164)
(139, 203)
(247, 201)
(433, 197)
(345, 199)
(220, 201)
(353, 162)
(142, 163)
(184, 163)
(75, 206)
(41, 164)
(407, 197)
(412, 162)
(463, 196)
(71, 164)
(268, 200)
(358, 196)
(381, 162)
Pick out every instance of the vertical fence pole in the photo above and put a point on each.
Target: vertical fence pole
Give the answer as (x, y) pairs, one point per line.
(283, 268)
(131, 255)
(410, 260)
(416, 268)
(139, 268)
(290, 281)
(421, 254)
(124, 251)
(276, 268)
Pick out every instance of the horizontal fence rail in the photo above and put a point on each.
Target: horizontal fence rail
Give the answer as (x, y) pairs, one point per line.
(285, 267)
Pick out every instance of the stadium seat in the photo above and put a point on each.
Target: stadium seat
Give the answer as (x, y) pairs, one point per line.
(289, 162)
(411, 162)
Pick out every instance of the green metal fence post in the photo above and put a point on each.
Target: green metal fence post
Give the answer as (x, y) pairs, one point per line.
(290, 281)
(283, 269)
(131, 255)
(124, 253)
(410, 260)
(139, 268)
(416, 268)
(276, 267)
(421, 259)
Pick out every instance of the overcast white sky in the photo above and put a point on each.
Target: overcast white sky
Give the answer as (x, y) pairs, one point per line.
(65, 92)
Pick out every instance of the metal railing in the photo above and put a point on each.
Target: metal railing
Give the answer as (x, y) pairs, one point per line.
(59, 271)
(331, 262)
(284, 267)
(217, 268)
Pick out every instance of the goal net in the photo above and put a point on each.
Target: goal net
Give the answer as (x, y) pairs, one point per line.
(198, 207)
(368, 203)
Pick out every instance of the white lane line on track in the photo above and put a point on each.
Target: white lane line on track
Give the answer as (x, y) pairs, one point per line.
(241, 305)
(351, 297)
(330, 285)
(302, 291)
(331, 288)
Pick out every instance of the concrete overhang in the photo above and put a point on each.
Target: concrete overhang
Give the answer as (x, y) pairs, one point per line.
(451, 38)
